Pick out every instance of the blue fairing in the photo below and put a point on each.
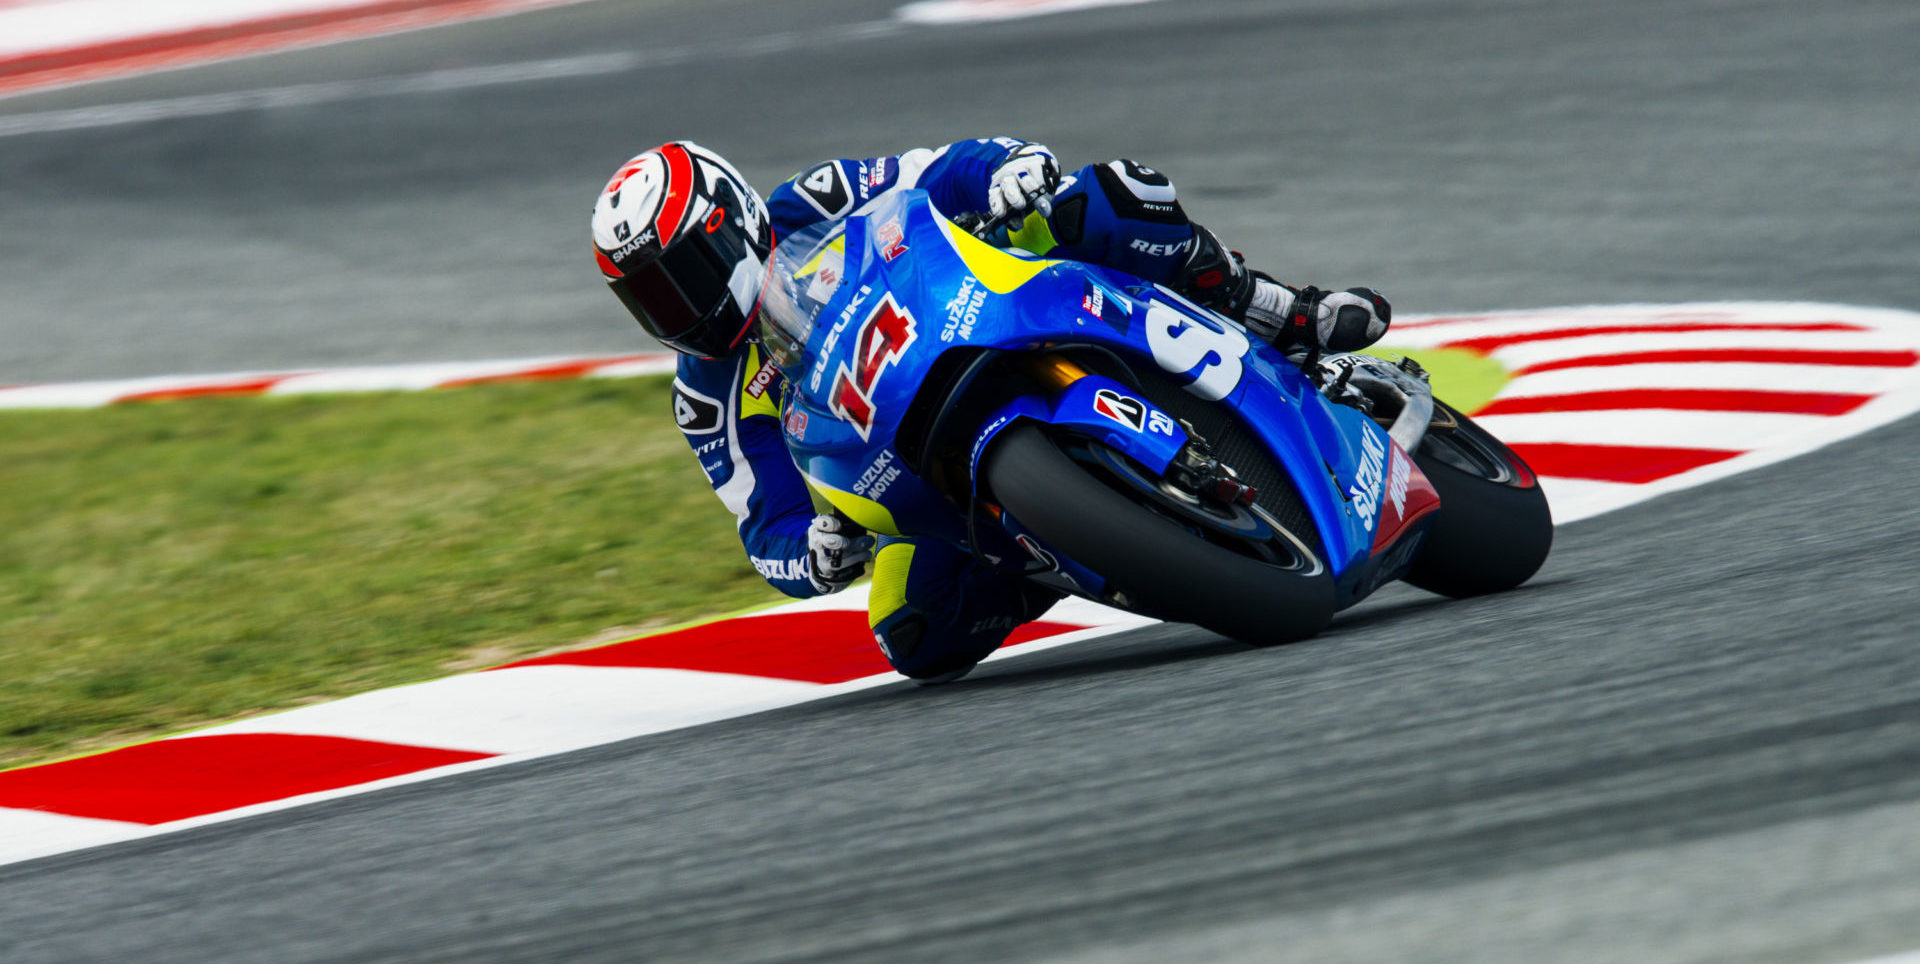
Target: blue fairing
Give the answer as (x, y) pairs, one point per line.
(909, 286)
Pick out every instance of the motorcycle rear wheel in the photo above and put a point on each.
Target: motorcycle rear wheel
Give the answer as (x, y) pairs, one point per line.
(1494, 528)
(1158, 567)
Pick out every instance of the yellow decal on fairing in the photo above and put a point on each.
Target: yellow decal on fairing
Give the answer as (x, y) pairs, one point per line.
(1000, 271)
(870, 515)
(837, 245)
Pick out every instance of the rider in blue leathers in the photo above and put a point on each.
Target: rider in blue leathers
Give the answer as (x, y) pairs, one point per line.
(682, 239)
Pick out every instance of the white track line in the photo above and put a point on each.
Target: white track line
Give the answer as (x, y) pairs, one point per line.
(977, 11)
(431, 82)
(35, 28)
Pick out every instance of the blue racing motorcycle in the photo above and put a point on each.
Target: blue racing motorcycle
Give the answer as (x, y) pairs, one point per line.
(1106, 437)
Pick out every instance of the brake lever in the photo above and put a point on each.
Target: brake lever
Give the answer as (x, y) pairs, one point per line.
(984, 226)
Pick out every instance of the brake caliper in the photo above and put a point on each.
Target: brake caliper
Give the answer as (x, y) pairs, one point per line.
(1196, 470)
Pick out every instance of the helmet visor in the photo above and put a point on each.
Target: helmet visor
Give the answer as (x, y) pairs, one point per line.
(689, 298)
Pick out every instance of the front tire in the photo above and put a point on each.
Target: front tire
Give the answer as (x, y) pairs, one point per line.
(1494, 528)
(1162, 569)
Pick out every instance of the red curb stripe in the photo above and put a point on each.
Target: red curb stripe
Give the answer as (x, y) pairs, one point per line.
(252, 387)
(1615, 463)
(201, 44)
(815, 647)
(192, 776)
(572, 369)
(1756, 356)
(1492, 343)
(1682, 399)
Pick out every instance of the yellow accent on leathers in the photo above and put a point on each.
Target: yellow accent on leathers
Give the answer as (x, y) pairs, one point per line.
(765, 403)
(889, 592)
(1034, 234)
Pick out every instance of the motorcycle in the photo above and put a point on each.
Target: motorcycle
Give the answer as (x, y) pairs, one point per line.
(1109, 438)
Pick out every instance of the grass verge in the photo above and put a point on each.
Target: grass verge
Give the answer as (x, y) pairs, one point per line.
(170, 565)
(166, 566)
(1465, 379)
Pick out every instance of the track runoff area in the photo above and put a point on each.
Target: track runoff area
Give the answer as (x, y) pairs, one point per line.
(1611, 405)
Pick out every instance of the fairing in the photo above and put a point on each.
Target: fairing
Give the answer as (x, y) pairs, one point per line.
(913, 285)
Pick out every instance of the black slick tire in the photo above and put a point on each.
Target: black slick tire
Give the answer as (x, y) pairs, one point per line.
(1494, 529)
(1162, 569)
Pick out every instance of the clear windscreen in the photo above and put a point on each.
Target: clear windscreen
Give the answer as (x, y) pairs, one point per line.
(803, 275)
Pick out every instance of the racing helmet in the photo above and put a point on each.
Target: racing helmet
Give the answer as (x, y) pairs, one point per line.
(682, 239)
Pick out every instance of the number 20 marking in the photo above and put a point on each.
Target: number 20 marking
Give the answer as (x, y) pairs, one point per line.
(1179, 343)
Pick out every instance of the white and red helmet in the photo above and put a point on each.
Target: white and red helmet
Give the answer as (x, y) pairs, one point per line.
(683, 239)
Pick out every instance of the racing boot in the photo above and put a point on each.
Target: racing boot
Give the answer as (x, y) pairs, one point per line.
(1291, 319)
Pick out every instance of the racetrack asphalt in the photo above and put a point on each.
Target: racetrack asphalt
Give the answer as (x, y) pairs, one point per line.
(1695, 737)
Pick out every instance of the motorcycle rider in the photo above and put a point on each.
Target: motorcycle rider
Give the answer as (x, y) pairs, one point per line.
(682, 240)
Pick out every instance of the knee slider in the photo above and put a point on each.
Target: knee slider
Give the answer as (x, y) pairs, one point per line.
(900, 636)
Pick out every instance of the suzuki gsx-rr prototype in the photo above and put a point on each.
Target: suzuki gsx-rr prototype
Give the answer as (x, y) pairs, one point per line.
(1108, 438)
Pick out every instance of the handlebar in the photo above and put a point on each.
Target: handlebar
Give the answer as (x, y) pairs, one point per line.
(984, 226)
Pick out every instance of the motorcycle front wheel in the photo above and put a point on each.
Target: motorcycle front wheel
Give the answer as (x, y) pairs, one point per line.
(1152, 564)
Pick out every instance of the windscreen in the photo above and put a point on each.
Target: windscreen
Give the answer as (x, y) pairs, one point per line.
(803, 275)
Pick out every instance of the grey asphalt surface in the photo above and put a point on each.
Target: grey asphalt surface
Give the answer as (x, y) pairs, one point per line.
(1457, 155)
(1696, 736)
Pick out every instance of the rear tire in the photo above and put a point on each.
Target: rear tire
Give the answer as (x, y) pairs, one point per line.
(1162, 569)
(1494, 528)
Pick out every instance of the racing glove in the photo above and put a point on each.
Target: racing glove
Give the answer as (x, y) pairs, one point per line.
(837, 553)
(1027, 176)
(1338, 321)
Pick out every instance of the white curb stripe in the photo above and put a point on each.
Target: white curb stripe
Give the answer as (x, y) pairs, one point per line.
(1655, 428)
(375, 378)
(1758, 377)
(25, 834)
(1520, 356)
(534, 709)
(537, 710)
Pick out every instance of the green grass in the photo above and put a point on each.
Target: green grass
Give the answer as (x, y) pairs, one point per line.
(164, 566)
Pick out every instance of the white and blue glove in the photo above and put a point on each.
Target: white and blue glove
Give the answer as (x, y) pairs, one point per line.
(1026, 178)
(1333, 320)
(837, 553)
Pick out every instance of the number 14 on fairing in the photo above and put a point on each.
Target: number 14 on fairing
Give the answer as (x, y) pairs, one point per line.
(883, 339)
